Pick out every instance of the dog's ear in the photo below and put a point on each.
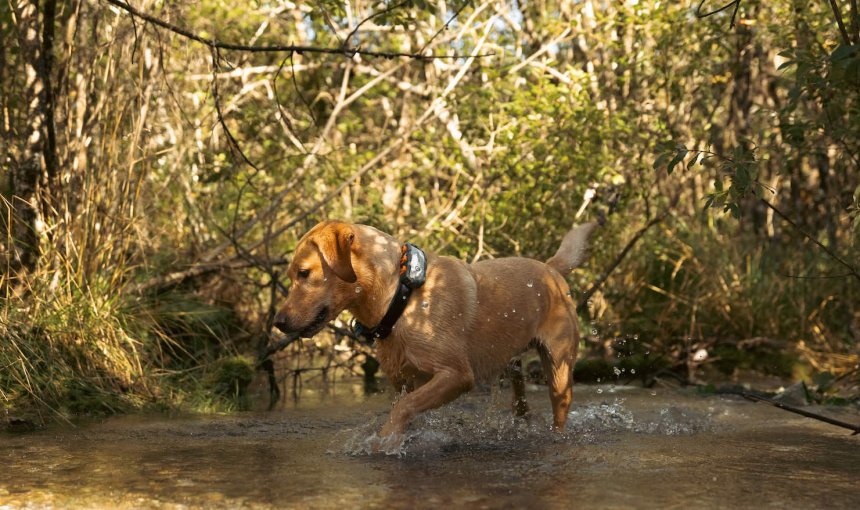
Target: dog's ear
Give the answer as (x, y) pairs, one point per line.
(335, 243)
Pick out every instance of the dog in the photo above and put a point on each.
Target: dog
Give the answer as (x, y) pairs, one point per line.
(461, 324)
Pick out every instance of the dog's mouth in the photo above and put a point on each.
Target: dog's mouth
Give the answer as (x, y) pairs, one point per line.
(316, 325)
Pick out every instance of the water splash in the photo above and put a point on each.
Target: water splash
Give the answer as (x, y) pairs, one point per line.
(482, 425)
(595, 420)
(441, 431)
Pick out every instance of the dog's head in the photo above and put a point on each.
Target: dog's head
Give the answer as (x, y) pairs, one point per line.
(323, 280)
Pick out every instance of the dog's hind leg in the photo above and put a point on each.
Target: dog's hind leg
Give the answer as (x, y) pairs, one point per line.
(515, 372)
(558, 370)
(443, 387)
(558, 355)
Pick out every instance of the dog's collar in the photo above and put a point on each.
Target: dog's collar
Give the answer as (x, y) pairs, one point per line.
(413, 273)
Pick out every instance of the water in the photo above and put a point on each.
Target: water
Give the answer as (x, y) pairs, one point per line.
(624, 448)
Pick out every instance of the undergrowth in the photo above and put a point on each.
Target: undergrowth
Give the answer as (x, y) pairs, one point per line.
(69, 350)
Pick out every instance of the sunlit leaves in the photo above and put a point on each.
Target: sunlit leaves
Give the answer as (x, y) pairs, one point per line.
(737, 175)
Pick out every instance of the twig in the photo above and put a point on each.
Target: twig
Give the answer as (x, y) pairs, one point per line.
(760, 398)
(445, 26)
(825, 419)
(735, 3)
(214, 43)
(217, 100)
(797, 227)
(166, 282)
(370, 17)
(838, 15)
(583, 303)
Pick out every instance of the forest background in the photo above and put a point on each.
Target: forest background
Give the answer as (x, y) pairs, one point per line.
(156, 179)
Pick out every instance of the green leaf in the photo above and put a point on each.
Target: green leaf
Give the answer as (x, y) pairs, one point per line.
(734, 210)
(842, 52)
(679, 157)
(661, 160)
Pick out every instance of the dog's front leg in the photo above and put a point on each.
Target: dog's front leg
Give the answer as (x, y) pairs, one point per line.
(443, 387)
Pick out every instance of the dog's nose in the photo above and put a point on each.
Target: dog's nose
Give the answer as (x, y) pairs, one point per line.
(282, 323)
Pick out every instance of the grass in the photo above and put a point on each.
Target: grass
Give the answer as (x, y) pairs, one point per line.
(71, 350)
(689, 288)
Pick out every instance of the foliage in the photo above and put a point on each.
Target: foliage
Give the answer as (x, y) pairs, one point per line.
(187, 177)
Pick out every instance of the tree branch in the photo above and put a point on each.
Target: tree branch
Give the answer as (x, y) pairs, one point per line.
(583, 303)
(345, 50)
(797, 227)
(855, 21)
(734, 3)
(838, 15)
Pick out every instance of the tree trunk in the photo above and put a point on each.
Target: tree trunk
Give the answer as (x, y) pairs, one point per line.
(29, 177)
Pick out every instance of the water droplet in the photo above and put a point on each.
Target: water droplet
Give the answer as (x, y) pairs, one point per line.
(357, 290)
(506, 314)
(424, 304)
(567, 293)
(530, 284)
(538, 293)
(599, 390)
(514, 310)
(616, 371)
(653, 393)
(632, 370)
(636, 337)
(594, 332)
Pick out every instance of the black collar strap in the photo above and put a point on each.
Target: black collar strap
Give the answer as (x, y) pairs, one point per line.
(413, 272)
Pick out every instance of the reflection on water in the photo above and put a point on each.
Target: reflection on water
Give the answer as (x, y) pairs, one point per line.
(627, 449)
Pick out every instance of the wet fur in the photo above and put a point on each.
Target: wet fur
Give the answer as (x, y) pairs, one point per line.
(465, 324)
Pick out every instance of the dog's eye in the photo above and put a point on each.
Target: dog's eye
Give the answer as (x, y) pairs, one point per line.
(304, 273)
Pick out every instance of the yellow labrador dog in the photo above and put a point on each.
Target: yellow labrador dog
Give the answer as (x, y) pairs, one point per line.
(464, 323)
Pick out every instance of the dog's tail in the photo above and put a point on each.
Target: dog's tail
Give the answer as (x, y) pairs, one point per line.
(573, 249)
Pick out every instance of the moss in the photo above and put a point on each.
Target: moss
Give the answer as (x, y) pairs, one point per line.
(593, 370)
(230, 377)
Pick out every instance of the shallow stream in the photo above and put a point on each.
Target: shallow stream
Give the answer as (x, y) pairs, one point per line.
(624, 448)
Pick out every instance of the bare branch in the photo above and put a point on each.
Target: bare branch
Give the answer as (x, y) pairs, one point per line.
(805, 234)
(345, 50)
(838, 16)
(734, 3)
(583, 303)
